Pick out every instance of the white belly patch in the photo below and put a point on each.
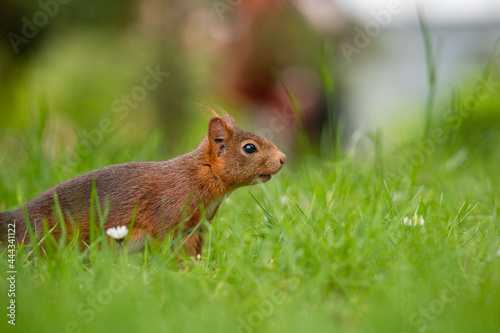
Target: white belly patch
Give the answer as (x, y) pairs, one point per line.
(210, 209)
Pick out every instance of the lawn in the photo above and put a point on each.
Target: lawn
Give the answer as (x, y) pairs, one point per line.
(369, 240)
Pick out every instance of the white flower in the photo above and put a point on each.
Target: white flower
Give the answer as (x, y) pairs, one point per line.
(118, 233)
(414, 221)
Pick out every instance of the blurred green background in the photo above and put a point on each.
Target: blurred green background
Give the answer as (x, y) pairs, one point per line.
(83, 56)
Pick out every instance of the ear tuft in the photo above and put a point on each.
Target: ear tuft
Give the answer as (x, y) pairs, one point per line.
(209, 109)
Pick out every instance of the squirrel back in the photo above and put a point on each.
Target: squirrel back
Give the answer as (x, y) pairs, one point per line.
(161, 195)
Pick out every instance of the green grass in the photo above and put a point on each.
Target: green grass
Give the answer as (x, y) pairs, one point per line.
(322, 247)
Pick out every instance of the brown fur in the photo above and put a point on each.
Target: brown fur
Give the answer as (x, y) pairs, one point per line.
(158, 191)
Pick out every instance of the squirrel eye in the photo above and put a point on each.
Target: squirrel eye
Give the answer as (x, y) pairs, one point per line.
(249, 148)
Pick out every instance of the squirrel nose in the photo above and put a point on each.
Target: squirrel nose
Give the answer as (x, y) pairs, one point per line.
(282, 159)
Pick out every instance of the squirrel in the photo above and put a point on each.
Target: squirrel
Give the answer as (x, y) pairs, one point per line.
(162, 195)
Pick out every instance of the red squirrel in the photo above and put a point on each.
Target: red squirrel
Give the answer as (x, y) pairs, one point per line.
(160, 194)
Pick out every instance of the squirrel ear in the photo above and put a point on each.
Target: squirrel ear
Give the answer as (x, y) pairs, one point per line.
(218, 131)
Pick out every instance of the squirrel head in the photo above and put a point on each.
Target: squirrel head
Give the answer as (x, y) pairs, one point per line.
(239, 157)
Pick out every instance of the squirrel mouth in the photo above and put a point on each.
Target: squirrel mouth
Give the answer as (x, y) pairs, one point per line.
(265, 178)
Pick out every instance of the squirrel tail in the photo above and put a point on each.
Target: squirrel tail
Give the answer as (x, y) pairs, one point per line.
(11, 223)
(5, 217)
